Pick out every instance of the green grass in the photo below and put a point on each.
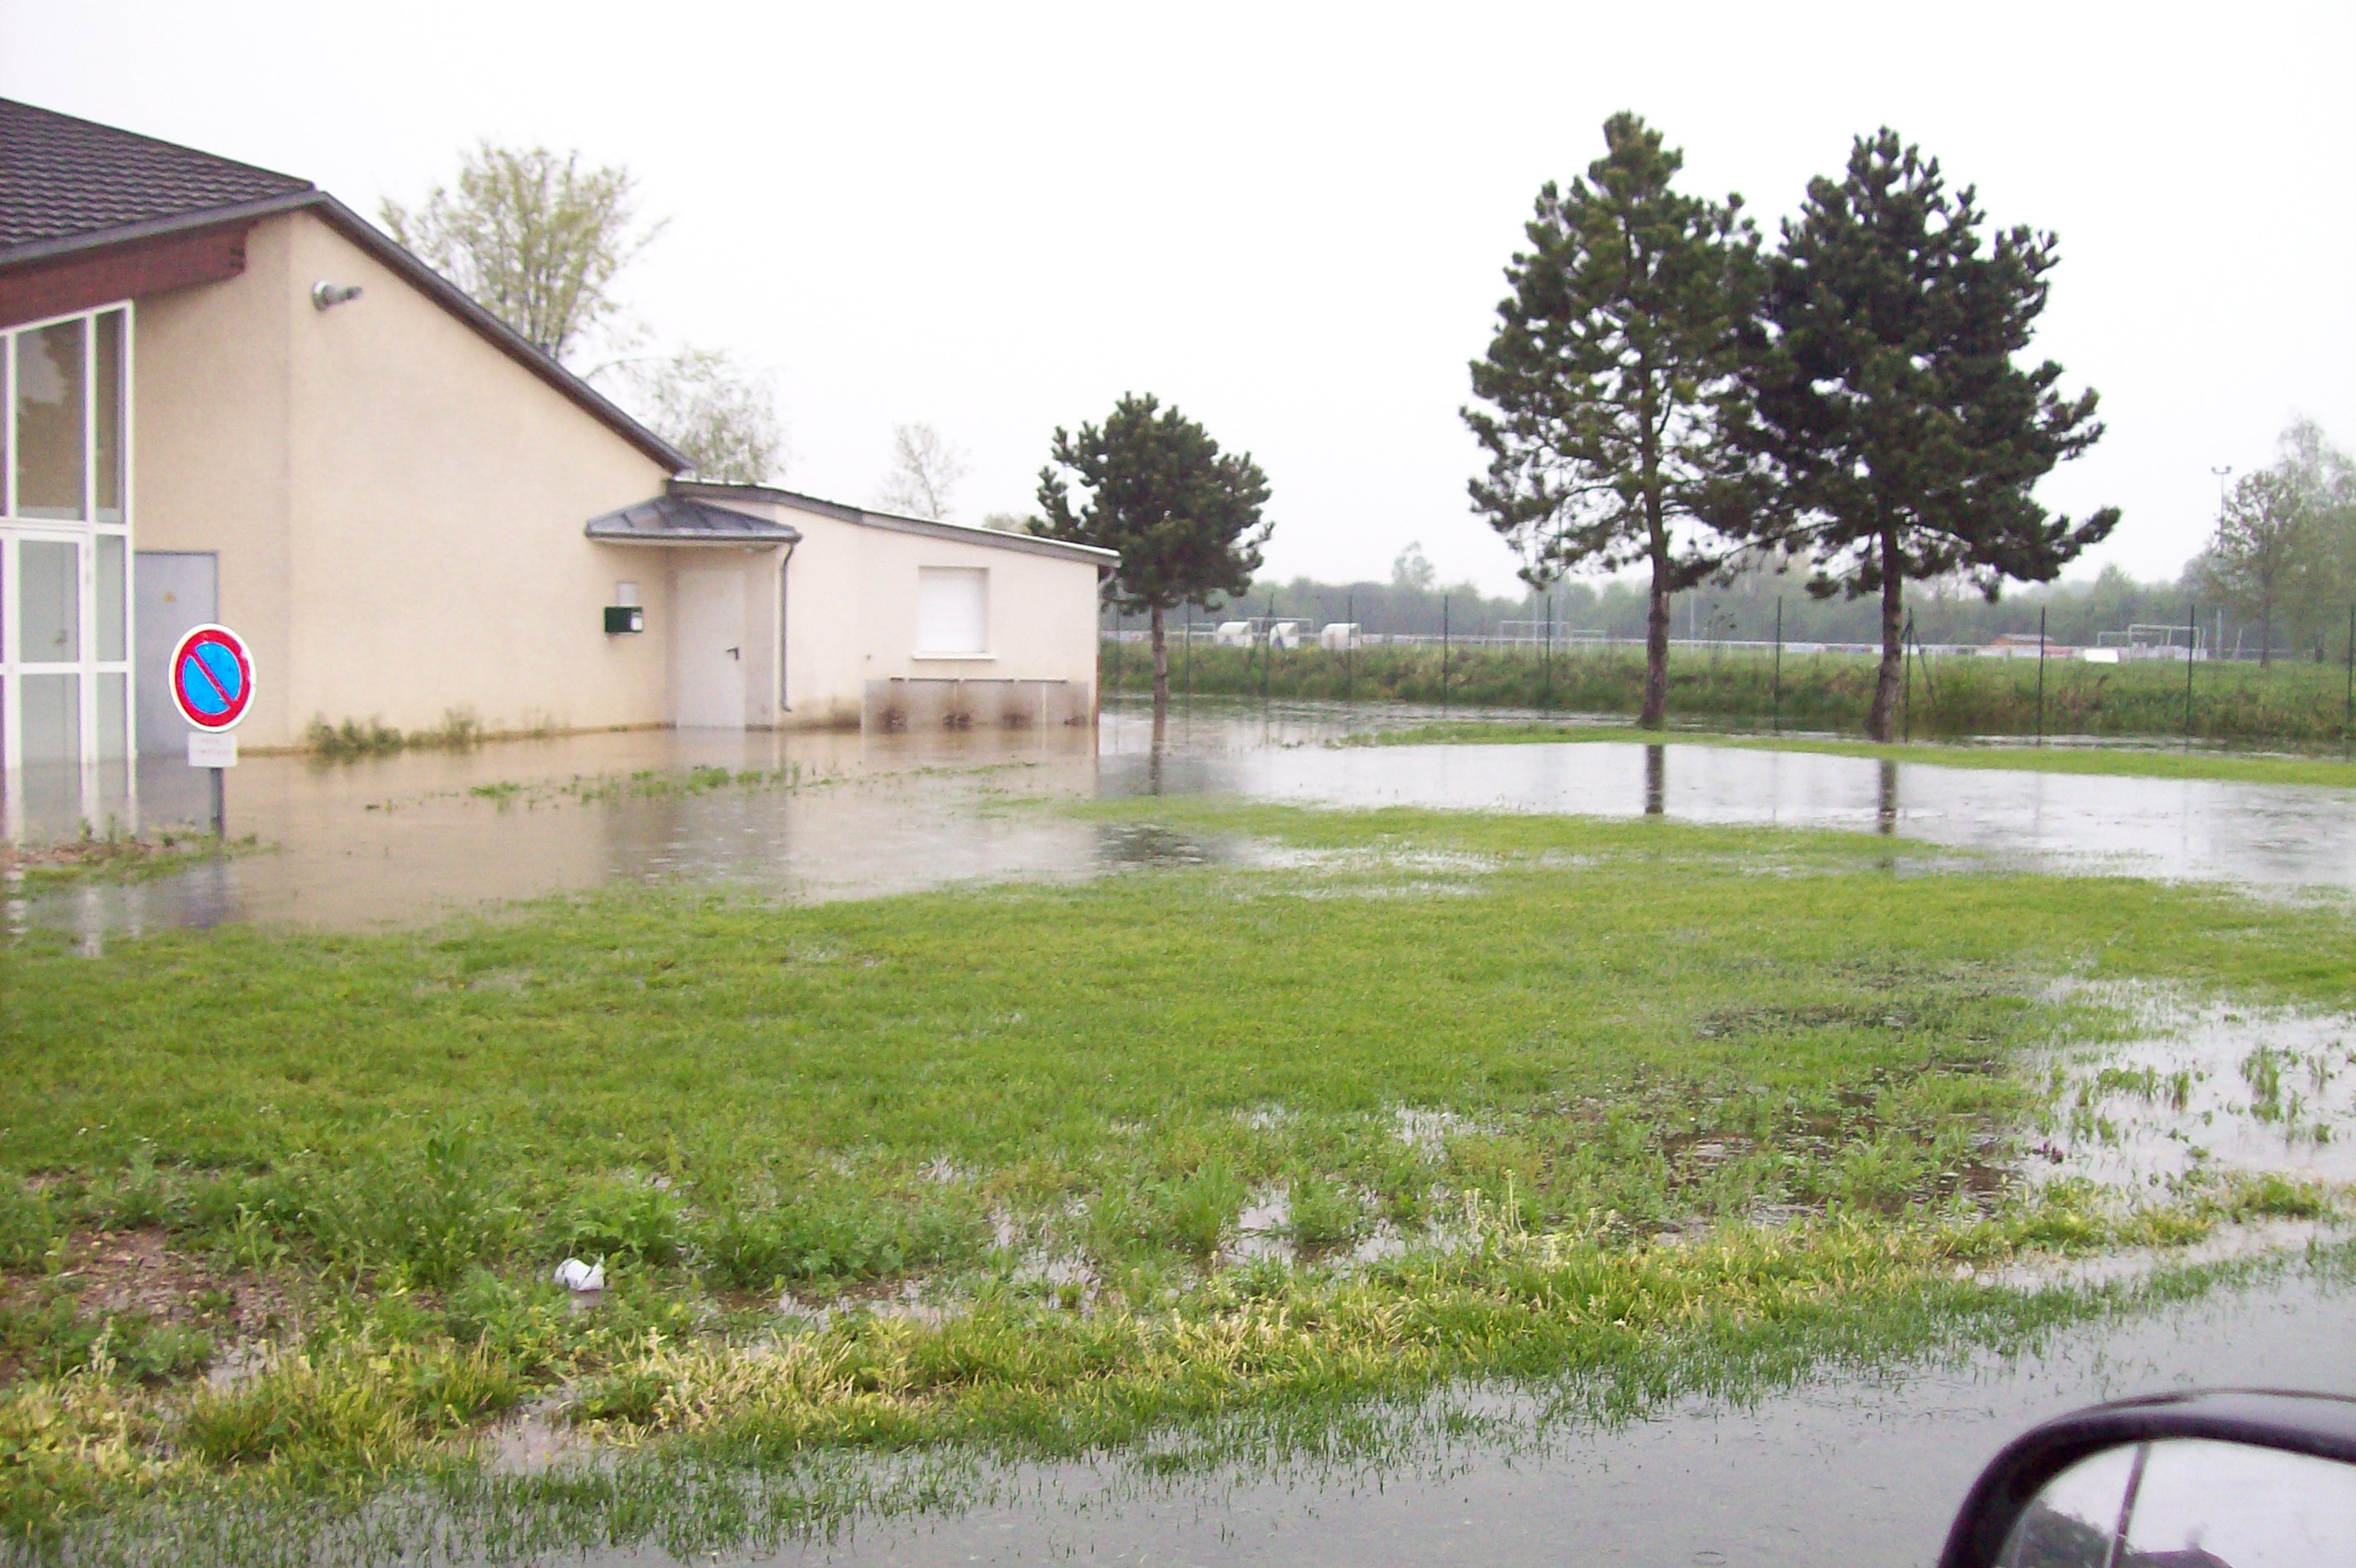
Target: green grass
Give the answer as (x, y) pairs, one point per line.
(112, 858)
(2103, 762)
(2303, 705)
(1605, 1032)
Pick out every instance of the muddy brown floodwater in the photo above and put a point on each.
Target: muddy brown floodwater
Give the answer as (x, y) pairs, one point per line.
(412, 837)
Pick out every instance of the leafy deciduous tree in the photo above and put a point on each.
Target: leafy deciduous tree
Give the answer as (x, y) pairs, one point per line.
(535, 238)
(1611, 376)
(722, 416)
(2284, 549)
(1185, 515)
(1412, 569)
(1886, 394)
(925, 472)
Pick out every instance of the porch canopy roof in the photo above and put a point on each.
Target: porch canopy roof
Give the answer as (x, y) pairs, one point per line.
(683, 520)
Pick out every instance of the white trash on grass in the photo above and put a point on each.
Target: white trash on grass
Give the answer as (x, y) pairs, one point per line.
(576, 1276)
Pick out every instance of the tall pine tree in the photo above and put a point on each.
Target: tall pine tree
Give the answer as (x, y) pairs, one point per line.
(1185, 515)
(1886, 395)
(1610, 379)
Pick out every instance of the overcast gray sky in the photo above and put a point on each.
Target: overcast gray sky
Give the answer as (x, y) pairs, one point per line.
(1292, 220)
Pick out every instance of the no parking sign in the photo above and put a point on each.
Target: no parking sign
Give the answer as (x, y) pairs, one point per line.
(212, 678)
(212, 685)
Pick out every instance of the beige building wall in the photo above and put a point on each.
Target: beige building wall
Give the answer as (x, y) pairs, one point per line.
(397, 504)
(398, 509)
(209, 455)
(848, 601)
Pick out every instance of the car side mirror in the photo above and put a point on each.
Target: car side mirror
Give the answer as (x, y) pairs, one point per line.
(2236, 1479)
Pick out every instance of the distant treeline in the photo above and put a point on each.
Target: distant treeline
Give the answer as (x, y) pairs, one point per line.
(2298, 705)
(1744, 609)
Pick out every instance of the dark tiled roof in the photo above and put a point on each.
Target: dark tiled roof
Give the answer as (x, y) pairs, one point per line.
(60, 177)
(676, 519)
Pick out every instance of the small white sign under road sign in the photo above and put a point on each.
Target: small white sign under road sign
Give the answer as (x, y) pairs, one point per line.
(211, 749)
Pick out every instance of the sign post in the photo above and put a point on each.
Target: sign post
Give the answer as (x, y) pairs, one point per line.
(211, 677)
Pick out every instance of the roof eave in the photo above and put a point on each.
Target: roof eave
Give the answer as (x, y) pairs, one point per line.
(1104, 559)
(674, 537)
(179, 223)
(460, 304)
(384, 249)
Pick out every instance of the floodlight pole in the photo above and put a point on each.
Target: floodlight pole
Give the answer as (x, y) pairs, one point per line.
(1443, 653)
(2192, 636)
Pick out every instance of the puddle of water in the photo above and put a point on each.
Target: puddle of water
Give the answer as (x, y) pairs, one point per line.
(538, 1438)
(1427, 1130)
(1851, 1466)
(2191, 828)
(2212, 1088)
(1264, 1229)
(409, 839)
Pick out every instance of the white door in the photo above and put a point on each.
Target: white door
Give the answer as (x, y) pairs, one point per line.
(171, 592)
(707, 651)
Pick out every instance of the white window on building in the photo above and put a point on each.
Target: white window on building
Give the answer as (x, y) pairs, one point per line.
(65, 541)
(952, 611)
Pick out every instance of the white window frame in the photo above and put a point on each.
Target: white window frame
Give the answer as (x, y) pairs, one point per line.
(955, 654)
(85, 532)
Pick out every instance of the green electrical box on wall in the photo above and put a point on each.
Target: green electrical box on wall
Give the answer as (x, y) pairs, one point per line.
(620, 618)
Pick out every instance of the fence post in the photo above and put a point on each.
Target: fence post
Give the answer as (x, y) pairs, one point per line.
(2192, 636)
(2040, 673)
(1546, 692)
(1190, 656)
(1778, 720)
(1269, 663)
(1443, 653)
(1350, 649)
(1906, 639)
(2348, 724)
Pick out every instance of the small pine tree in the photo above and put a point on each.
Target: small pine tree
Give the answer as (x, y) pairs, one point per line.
(1184, 516)
(1612, 376)
(1885, 393)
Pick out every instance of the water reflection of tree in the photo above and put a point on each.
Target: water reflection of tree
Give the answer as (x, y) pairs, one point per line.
(1656, 780)
(2048, 1538)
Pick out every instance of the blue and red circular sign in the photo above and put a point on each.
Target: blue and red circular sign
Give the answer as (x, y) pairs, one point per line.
(212, 678)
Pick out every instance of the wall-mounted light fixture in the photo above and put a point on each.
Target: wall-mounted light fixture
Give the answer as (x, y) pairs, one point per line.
(624, 615)
(325, 296)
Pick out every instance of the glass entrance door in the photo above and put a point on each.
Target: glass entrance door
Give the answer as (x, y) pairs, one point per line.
(65, 561)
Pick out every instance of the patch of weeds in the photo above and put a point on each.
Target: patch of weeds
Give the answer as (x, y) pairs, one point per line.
(351, 738)
(2275, 1196)
(701, 779)
(31, 1224)
(1188, 1215)
(346, 1411)
(54, 1338)
(114, 857)
(831, 1236)
(459, 730)
(1323, 1213)
(633, 1219)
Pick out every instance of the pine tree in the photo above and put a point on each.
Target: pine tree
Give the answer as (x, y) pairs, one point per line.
(1184, 517)
(1887, 398)
(1610, 379)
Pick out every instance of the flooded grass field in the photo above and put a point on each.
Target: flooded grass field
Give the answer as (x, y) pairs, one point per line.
(1000, 1151)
